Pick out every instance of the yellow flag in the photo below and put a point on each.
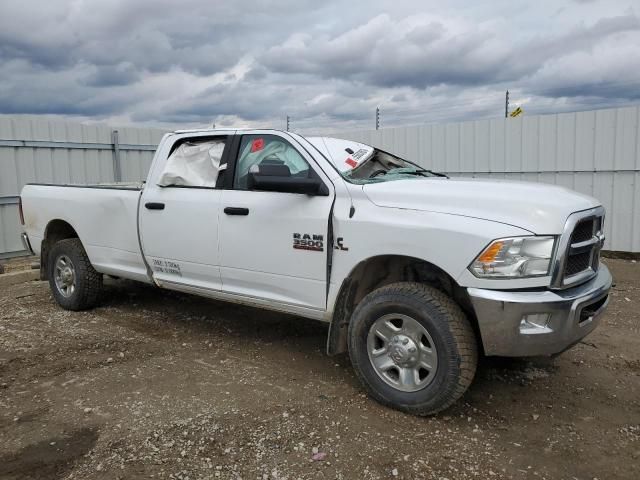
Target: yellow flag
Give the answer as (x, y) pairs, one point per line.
(516, 112)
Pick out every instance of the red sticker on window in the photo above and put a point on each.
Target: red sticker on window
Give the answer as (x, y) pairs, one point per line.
(258, 144)
(351, 162)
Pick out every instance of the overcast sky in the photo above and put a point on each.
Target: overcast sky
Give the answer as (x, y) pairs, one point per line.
(327, 64)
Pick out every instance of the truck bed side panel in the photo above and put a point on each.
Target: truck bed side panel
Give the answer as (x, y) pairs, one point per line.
(105, 219)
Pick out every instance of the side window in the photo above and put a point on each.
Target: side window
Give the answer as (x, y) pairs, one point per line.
(267, 149)
(195, 162)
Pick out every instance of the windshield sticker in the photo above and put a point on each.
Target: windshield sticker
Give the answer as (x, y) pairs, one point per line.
(258, 144)
(351, 162)
(360, 153)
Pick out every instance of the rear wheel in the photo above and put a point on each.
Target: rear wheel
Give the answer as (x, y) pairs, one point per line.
(412, 347)
(74, 282)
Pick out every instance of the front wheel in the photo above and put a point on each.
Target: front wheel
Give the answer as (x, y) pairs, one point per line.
(412, 347)
(74, 282)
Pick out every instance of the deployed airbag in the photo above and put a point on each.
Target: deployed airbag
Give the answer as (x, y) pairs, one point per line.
(193, 165)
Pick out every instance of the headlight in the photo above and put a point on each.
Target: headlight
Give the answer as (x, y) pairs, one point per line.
(516, 257)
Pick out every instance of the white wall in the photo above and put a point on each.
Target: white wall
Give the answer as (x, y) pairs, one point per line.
(594, 152)
(24, 164)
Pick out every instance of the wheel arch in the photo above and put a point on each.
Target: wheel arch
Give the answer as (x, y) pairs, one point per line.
(378, 271)
(55, 231)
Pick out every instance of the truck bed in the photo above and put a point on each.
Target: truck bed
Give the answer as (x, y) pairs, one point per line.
(104, 217)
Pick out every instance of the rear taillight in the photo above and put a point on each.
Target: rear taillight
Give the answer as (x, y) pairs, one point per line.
(20, 210)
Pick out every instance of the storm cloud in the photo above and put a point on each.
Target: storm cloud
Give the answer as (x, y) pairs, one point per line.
(327, 65)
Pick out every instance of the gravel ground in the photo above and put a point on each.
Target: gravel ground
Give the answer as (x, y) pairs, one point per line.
(155, 384)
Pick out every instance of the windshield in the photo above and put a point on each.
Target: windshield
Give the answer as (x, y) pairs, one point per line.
(361, 163)
(384, 167)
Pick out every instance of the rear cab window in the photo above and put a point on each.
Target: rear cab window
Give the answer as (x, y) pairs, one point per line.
(197, 162)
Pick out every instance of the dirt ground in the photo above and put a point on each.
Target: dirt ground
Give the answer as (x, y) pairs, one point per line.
(17, 264)
(161, 385)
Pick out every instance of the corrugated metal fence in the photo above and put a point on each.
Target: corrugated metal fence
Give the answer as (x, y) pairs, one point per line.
(37, 149)
(594, 152)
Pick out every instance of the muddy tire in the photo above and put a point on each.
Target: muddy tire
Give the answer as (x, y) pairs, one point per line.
(412, 347)
(74, 282)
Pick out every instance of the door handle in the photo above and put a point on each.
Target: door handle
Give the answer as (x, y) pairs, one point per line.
(236, 211)
(154, 206)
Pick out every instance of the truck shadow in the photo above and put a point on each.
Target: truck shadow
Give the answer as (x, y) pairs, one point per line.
(205, 316)
(159, 313)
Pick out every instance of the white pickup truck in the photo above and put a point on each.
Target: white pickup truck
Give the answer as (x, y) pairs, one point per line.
(416, 273)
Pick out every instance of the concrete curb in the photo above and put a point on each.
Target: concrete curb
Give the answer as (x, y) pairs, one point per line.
(13, 278)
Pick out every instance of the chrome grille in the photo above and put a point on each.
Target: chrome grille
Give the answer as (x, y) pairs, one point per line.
(578, 252)
(583, 231)
(577, 263)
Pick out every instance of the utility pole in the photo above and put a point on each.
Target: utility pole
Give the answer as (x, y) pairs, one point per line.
(377, 118)
(288, 118)
(506, 105)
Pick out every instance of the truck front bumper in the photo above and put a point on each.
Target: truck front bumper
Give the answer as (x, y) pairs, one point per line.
(539, 322)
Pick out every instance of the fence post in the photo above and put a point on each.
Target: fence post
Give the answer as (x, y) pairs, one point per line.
(117, 171)
(506, 105)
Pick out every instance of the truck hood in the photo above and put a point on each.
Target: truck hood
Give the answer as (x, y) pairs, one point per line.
(541, 209)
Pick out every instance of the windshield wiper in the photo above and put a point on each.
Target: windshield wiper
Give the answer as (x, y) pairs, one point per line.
(421, 172)
(436, 174)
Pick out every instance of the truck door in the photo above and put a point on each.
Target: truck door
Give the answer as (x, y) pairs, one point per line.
(273, 244)
(179, 214)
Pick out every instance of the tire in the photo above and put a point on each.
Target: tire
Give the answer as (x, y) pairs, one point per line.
(79, 290)
(430, 354)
